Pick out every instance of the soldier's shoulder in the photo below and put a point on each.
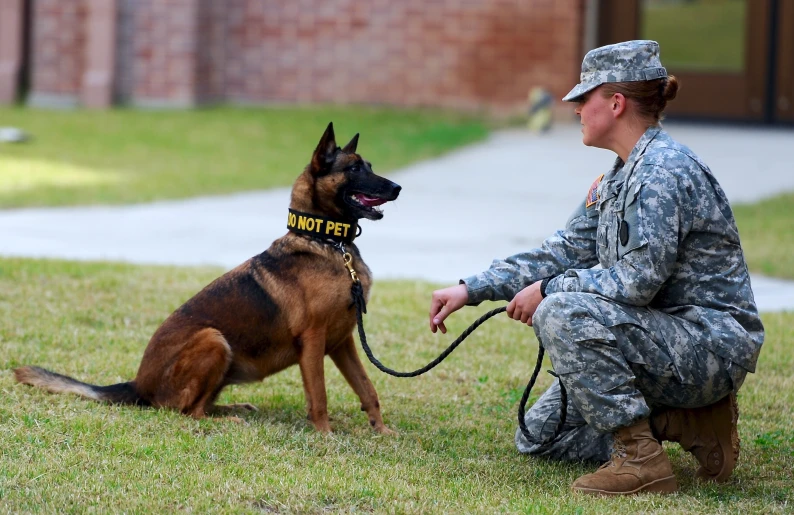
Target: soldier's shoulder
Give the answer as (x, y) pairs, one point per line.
(675, 158)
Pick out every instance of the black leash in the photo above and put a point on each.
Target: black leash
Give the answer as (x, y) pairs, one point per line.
(361, 308)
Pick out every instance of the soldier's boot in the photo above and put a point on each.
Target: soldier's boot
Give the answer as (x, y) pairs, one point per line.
(638, 464)
(709, 433)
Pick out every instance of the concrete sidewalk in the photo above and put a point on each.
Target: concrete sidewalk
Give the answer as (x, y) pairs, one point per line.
(454, 215)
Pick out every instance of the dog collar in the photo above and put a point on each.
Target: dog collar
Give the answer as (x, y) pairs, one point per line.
(321, 227)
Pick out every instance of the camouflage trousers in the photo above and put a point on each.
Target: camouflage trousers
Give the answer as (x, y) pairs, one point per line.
(617, 363)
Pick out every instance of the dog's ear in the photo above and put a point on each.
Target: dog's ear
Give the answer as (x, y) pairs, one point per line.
(326, 150)
(350, 148)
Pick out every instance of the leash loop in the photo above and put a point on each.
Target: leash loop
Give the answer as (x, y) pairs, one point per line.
(361, 307)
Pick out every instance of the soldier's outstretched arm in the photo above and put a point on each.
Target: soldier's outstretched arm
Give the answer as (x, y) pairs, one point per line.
(572, 247)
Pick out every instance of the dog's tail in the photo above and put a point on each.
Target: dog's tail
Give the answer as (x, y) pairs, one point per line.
(121, 393)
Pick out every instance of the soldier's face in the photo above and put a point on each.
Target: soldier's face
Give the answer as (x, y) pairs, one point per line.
(596, 117)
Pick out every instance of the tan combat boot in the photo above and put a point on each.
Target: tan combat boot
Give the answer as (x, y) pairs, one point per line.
(709, 433)
(638, 464)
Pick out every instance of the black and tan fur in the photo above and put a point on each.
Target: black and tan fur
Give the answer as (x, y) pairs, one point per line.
(289, 305)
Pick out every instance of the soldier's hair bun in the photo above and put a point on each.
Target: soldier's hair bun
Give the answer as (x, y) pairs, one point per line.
(650, 97)
(669, 88)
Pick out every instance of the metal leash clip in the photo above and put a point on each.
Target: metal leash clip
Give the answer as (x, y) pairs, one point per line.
(349, 266)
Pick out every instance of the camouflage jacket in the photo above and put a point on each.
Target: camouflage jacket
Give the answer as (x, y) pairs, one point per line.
(663, 233)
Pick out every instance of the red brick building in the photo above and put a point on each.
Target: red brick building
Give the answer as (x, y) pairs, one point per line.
(460, 54)
(464, 54)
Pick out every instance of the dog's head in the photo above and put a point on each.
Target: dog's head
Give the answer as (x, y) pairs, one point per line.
(340, 183)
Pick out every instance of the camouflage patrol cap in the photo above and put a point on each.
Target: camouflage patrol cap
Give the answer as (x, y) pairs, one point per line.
(629, 61)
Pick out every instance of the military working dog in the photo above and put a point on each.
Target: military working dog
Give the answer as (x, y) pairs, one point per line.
(289, 305)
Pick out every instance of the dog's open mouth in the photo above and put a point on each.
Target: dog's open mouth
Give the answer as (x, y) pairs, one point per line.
(367, 202)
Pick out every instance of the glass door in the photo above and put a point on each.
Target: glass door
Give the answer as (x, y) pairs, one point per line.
(718, 49)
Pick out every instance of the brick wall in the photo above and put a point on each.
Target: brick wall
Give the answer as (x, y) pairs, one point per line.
(465, 54)
(166, 45)
(451, 53)
(171, 52)
(57, 51)
(211, 51)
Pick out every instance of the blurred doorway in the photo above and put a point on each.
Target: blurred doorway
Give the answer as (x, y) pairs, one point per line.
(23, 79)
(734, 58)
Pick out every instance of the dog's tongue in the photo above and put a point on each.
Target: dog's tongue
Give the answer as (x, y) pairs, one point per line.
(370, 201)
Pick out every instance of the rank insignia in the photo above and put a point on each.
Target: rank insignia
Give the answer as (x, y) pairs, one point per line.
(592, 193)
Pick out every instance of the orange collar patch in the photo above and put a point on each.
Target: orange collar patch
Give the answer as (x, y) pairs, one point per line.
(592, 193)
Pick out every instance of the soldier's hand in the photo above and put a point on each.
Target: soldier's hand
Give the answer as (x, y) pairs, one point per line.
(524, 304)
(444, 303)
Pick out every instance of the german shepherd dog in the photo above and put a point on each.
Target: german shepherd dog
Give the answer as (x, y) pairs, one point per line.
(290, 304)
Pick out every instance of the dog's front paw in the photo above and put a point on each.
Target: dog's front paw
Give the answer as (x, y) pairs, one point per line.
(324, 428)
(382, 429)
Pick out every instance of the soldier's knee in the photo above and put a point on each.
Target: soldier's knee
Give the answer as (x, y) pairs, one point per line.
(540, 424)
(550, 312)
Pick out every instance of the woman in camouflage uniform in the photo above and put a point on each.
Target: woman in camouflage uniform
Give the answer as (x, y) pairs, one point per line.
(653, 344)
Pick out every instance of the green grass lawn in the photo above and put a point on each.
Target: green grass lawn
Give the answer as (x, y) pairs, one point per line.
(125, 156)
(455, 452)
(767, 232)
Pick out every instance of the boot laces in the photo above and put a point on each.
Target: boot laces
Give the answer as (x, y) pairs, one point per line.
(618, 452)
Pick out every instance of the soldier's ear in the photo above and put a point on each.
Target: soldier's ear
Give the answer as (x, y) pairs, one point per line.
(325, 153)
(350, 148)
(619, 104)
